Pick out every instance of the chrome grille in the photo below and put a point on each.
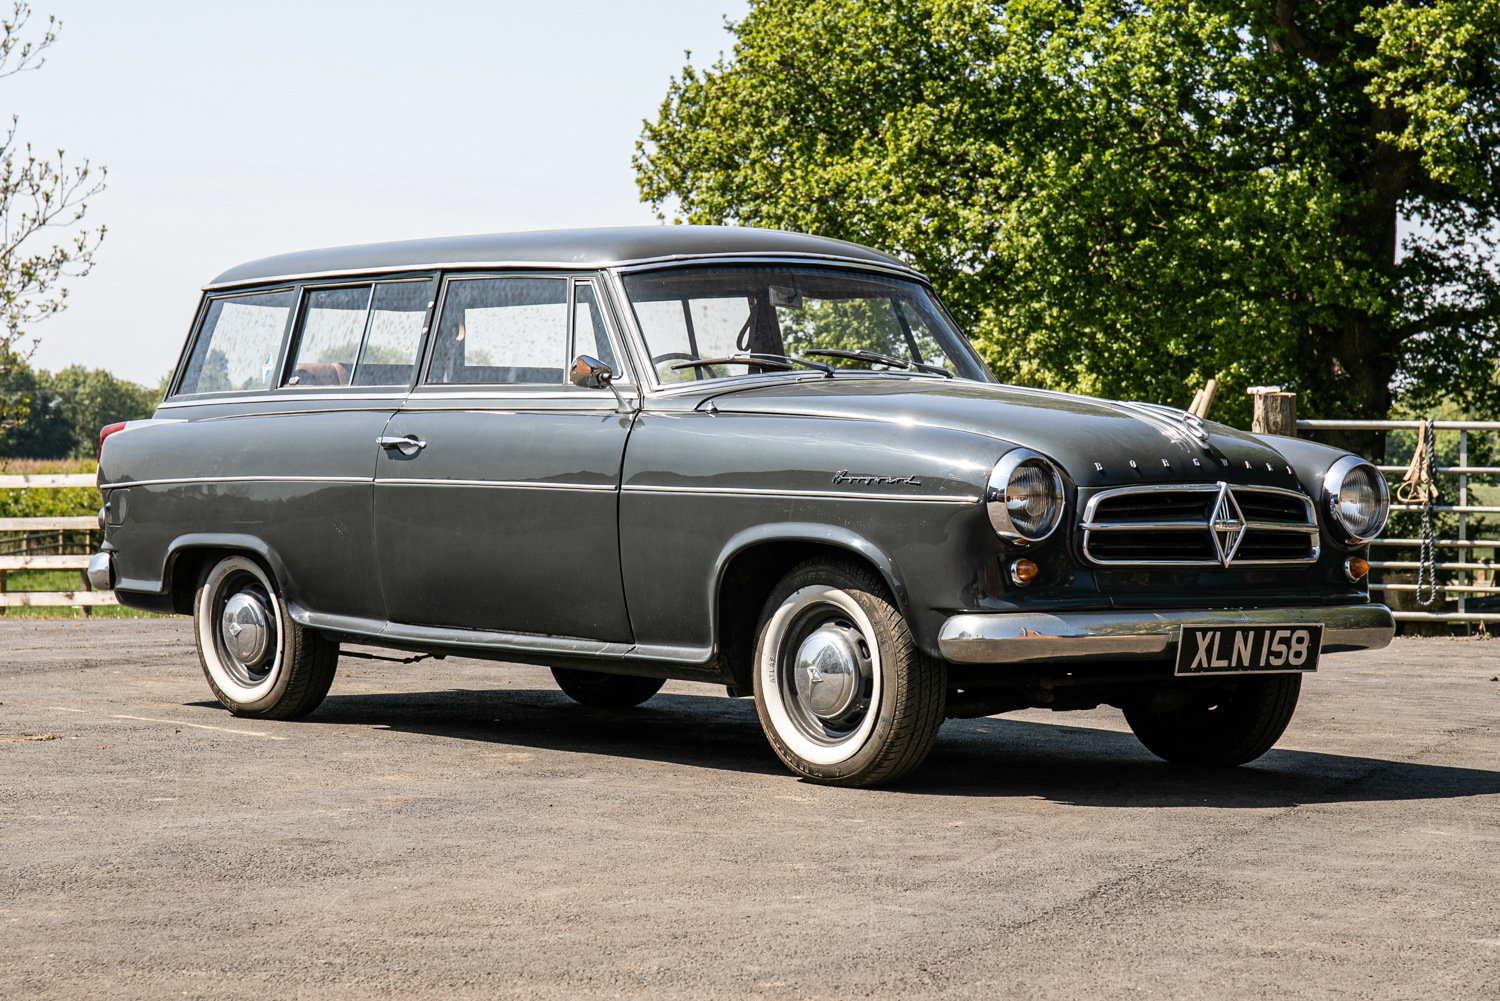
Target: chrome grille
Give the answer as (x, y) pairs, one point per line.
(1201, 524)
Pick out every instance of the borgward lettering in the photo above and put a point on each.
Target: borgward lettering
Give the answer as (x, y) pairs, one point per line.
(842, 476)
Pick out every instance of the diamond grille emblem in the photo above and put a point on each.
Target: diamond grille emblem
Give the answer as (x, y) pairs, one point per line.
(1227, 525)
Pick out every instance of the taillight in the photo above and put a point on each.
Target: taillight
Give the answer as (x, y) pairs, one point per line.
(105, 432)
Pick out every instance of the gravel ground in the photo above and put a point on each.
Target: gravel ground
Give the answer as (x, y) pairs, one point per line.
(459, 829)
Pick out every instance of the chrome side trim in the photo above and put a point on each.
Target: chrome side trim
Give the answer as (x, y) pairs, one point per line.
(813, 494)
(1080, 637)
(483, 639)
(525, 484)
(273, 395)
(238, 479)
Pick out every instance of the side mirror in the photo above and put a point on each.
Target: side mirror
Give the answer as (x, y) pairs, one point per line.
(591, 373)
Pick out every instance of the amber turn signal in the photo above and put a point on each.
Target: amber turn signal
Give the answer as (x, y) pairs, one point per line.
(1355, 568)
(1023, 572)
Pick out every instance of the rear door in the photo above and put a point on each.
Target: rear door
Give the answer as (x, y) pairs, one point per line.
(502, 512)
(283, 394)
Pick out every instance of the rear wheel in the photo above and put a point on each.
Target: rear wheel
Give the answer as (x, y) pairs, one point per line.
(606, 691)
(1225, 727)
(843, 693)
(257, 660)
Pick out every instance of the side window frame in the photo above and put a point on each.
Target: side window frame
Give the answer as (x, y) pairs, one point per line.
(435, 319)
(204, 305)
(292, 336)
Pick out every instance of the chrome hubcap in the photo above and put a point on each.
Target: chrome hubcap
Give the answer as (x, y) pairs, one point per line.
(831, 672)
(245, 630)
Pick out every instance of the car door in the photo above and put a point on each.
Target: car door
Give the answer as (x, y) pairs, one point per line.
(280, 457)
(500, 512)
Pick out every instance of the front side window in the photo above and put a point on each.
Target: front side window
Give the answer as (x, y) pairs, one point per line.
(239, 344)
(770, 316)
(502, 331)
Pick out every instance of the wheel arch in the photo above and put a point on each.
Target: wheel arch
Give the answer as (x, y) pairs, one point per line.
(187, 555)
(751, 563)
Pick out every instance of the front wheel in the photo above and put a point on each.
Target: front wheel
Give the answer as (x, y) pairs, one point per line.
(257, 660)
(1222, 728)
(843, 693)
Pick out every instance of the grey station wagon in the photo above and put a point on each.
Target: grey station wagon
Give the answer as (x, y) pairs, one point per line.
(754, 459)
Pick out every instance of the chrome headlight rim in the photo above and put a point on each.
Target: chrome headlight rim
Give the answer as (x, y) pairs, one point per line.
(994, 496)
(1333, 485)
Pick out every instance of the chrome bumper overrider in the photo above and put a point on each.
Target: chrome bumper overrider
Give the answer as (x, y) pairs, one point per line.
(1035, 637)
(99, 572)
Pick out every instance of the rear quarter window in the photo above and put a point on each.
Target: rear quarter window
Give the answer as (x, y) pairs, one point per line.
(238, 348)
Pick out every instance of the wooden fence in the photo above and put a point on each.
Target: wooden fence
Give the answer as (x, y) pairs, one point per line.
(37, 534)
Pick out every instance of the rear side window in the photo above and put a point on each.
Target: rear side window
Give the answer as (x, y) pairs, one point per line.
(360, 335)
(239, 345)
(502, 331)
(333, 324)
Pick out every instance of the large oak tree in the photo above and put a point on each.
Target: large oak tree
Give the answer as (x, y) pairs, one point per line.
(1128, 198)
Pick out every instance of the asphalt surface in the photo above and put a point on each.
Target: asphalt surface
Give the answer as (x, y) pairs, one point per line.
(460, 829)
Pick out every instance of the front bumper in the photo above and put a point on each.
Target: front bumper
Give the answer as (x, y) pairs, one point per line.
(1080, 637)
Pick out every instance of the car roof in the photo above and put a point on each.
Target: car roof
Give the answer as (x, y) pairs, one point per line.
(571, 248)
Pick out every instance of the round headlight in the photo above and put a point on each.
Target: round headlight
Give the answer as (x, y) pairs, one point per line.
(1024, 497)
(1356, 499)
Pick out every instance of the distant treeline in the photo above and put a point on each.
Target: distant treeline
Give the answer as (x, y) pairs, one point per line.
(68, 408)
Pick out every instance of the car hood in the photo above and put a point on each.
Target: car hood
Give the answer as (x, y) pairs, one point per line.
(1097, 442)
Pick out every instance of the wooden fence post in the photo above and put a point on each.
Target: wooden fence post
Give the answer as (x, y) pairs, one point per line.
(1275, 411)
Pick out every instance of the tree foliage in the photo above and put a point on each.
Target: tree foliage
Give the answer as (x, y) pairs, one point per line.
(39, 195)
(1127, 198)
(68, 409)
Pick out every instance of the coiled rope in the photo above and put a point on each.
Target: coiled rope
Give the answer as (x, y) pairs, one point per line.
(1419, 486)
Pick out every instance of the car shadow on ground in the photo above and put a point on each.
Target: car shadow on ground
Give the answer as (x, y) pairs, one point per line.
(994, 756)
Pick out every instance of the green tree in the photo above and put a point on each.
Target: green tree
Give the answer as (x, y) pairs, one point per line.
(91, 398)
(1126, 198)
(39, 194)
(69, 408)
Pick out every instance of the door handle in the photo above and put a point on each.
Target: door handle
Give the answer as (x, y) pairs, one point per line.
(410, 445)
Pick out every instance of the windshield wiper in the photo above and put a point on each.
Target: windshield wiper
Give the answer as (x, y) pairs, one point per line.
(922, 366)
(876, 356)
(861, 355)
(786, 362)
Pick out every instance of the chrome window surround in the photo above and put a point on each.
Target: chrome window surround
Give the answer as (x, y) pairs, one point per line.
(1226, 492)
(994, 496)
(1333, 482)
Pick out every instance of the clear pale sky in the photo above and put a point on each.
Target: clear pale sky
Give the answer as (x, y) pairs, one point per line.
(235, 131)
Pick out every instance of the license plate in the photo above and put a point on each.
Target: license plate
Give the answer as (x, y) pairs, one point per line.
(1249, 649)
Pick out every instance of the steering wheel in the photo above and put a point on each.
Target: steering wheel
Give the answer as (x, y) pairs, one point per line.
(672, 356)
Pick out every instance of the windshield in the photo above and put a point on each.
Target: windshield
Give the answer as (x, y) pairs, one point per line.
(779, 313)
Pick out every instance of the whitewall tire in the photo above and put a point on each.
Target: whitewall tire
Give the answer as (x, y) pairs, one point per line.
(257, 660)
(843, 693)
